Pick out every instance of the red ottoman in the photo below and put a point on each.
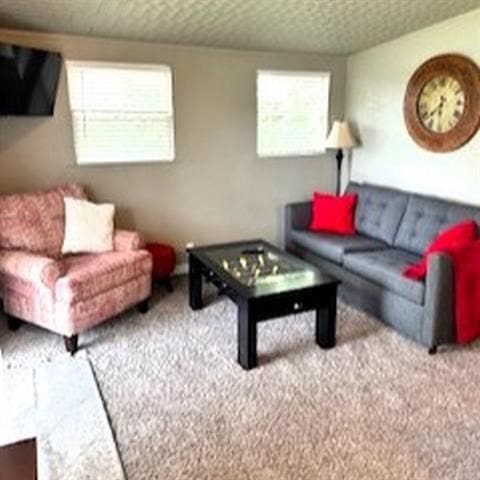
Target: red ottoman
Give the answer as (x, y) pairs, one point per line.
(163, 262)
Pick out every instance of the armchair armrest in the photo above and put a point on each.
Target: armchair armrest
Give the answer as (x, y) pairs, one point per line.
(297, 217)
(126, 240)
(439, 321)
(30, 267)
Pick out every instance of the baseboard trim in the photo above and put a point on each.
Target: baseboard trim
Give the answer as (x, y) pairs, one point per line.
(181, 269)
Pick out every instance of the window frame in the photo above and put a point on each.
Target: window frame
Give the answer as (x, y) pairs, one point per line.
(98, 64)
(293, 73)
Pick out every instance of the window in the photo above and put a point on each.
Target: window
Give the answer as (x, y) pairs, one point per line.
(292, 112)
(121, 112)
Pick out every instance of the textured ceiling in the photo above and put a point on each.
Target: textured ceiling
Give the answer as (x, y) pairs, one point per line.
(326, 26)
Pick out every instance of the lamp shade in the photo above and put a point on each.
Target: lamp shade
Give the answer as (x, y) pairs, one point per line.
(340, 136)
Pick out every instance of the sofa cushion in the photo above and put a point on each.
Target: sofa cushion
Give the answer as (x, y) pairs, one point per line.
(385, 268)
(426, 217)
(333, 247)
(34, 222)
(89, 275)
(379, 210)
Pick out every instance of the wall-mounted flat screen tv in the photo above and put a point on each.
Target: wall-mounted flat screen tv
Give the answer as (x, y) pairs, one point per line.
(28, 80)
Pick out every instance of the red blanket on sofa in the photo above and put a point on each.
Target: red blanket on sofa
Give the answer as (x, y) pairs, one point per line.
(466, 263)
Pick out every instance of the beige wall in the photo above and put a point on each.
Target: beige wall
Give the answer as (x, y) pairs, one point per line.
(216, 189)
(377, 79)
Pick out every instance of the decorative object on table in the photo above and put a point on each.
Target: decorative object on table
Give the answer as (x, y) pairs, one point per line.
(256, 266)
(442, 103)
(64, 294)
(340, 138)
(164, 260)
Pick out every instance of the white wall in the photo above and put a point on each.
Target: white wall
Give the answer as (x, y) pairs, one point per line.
(376, 82)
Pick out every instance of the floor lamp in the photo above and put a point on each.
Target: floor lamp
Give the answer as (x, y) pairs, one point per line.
(340, 138)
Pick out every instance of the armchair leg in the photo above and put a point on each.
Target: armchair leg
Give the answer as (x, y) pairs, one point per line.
(142, 307)
(432, 350)
(71, 344)
(13, 323)
(168, 285)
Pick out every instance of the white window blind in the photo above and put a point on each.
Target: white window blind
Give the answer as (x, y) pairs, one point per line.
(121, 112)
(292, 112)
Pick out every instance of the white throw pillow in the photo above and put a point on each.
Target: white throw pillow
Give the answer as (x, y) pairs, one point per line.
(88, 227)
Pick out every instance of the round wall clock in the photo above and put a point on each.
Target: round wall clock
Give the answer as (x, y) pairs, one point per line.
(442, 103)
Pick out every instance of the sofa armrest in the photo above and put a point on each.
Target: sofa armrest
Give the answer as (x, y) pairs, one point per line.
(297, 217)
(30, 267)
(126, 240)
(439, 321)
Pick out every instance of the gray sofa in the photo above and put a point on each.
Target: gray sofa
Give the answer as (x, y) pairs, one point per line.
(393, 229)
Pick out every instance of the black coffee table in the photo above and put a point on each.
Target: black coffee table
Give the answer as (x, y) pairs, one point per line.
(265, 282)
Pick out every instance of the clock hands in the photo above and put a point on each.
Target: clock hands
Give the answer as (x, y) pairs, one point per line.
(438, 108)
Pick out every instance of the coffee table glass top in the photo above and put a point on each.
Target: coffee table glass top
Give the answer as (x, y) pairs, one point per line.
(260, 267)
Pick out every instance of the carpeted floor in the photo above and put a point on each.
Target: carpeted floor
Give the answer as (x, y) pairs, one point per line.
(375, 407)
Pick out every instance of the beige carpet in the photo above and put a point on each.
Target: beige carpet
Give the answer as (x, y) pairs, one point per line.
(375, 407)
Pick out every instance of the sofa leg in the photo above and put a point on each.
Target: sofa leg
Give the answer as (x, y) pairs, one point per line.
(13, 323)
(71, 344)
(142, 307)
(432, 350)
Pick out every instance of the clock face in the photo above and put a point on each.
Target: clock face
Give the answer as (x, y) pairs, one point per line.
(441, 104)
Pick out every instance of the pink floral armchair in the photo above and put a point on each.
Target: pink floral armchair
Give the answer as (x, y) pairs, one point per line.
(68, 294)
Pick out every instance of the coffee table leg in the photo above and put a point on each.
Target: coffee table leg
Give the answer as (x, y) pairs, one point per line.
(195, 283)
(247, 337)
(326, 322)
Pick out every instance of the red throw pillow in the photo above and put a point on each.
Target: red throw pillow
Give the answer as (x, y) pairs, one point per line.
(448, 241)
(333, 214)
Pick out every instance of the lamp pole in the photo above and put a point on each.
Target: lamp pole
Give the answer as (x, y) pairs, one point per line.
(339, 157)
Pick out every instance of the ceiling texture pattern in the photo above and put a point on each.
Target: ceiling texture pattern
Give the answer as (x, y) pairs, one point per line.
(324, 26)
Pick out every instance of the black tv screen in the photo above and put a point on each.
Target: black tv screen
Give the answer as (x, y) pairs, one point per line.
(28, 80)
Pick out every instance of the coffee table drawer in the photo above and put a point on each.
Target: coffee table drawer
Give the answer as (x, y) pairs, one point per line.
(287, 303)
